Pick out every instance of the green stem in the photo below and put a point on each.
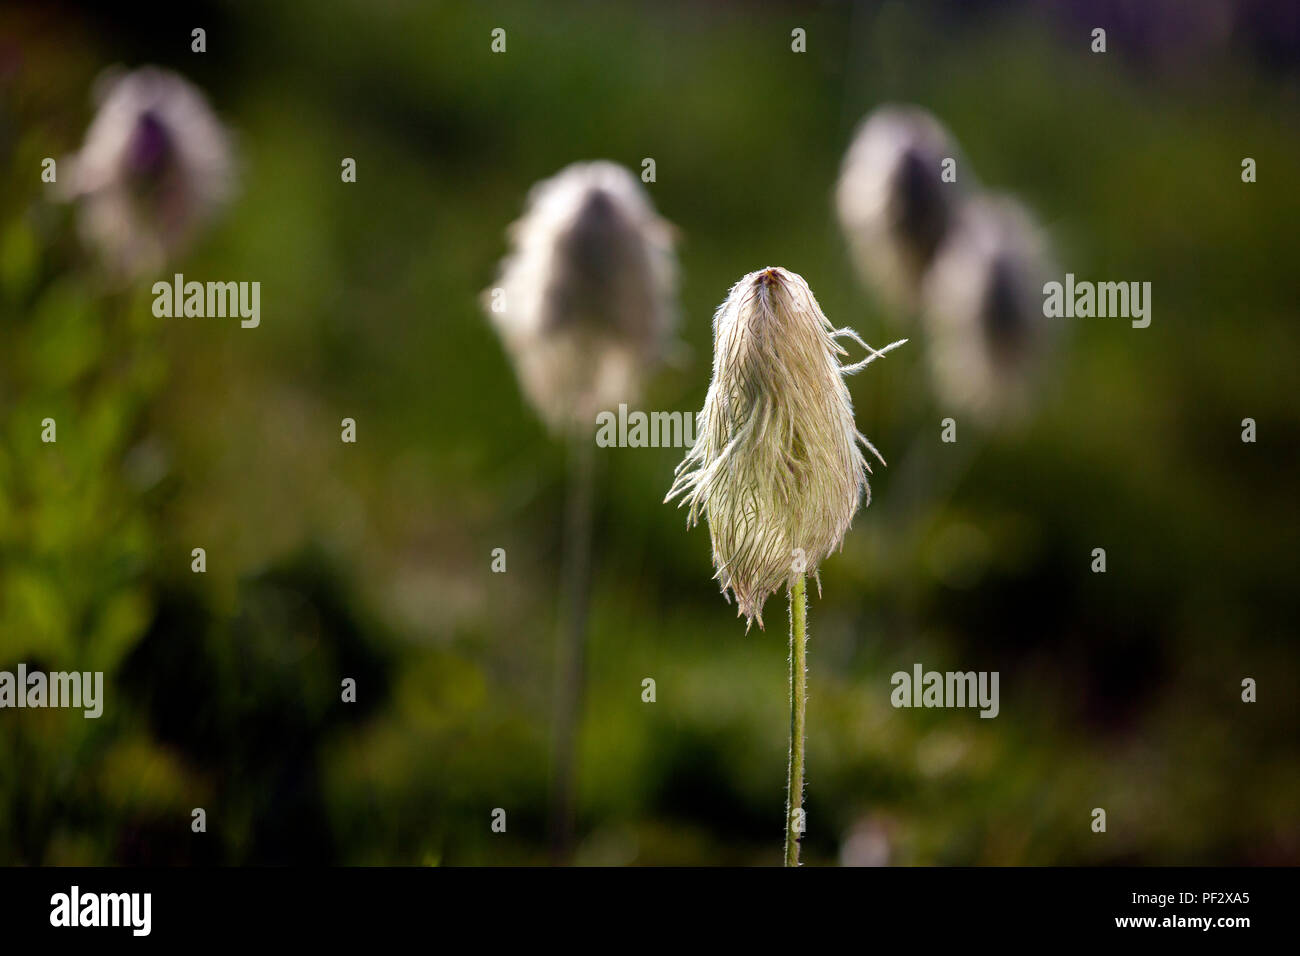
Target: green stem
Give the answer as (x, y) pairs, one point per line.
(572, 650)
(794, 817)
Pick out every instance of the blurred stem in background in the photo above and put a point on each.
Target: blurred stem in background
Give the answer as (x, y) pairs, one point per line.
(572, 645)
(794, 826)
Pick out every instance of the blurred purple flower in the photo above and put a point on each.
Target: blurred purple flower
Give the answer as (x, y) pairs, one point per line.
(154, 168)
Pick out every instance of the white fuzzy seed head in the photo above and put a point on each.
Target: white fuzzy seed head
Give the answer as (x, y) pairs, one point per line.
(778, 464)
(893, 206)
(585, 302)
(984, 310)
(155, 166)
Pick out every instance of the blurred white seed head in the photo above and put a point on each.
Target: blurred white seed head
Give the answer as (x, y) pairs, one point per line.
(868, 843)
(155, 166)
(777, 464)
(585, 303)
(984, 309)
(892, 203)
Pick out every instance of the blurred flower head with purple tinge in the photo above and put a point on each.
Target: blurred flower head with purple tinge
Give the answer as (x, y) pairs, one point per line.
(984, 309)
(586, 299)
(155, 166)
(893, 205)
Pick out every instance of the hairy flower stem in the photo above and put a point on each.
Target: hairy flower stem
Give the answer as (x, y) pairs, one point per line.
(794, 823)
(572, 646)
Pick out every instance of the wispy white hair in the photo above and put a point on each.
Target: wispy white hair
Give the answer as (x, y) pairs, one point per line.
(984, 309)
(893, 206)
(155, 165)
(778, 464)
(585, 302)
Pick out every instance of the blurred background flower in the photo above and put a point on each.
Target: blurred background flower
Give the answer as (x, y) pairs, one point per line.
(894, 206)
(155, 165)
(586, 300)
(983, 304)
(586, 307)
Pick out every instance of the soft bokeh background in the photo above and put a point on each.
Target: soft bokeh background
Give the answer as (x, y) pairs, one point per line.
(372, 560)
